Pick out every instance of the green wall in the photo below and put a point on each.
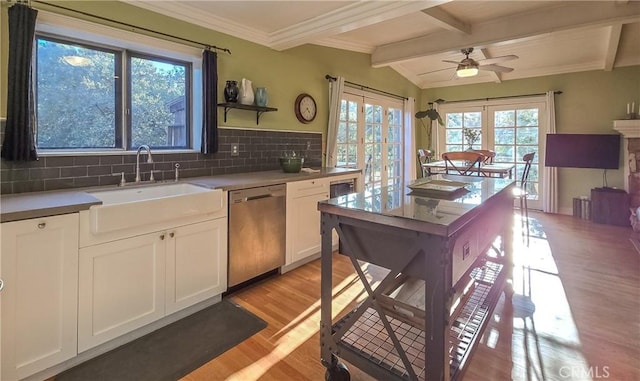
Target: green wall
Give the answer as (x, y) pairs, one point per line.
(589, 103)
(285, 74)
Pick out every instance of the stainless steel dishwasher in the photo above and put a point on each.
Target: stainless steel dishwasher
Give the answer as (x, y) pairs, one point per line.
(256, 232)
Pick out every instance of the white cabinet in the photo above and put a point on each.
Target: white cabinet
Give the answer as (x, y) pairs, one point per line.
(121, 287)
(129, 283)
(196, 263)
(303, 218)
(39, 261)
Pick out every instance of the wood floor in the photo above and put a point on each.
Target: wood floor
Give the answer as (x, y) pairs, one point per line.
(575, 314)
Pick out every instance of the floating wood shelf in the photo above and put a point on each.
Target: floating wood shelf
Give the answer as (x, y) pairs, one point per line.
(258, 109)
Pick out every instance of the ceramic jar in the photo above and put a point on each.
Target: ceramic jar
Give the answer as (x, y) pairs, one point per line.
(231, 92)
(246, 92)
(261, 97)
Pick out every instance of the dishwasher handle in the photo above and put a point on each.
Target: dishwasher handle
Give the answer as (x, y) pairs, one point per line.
(250, 194)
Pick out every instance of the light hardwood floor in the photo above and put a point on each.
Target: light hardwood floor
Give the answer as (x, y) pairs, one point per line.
(575, 314)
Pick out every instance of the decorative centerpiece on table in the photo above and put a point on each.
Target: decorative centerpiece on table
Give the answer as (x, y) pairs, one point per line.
(471, 135)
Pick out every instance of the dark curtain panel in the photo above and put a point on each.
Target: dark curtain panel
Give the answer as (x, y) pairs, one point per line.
(18, 141)
(209, 102)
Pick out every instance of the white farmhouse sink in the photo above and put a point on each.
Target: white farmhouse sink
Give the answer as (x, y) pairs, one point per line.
(124, 208)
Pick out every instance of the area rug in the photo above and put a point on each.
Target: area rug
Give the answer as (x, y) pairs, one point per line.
(174, 351)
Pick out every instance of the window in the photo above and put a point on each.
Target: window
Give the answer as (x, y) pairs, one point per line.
(510, 127)
(83, 93)
(370, 136)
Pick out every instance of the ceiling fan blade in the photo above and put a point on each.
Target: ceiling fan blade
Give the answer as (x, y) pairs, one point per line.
(453, 62)
(435, 71)
(496, 68)
(489, 61)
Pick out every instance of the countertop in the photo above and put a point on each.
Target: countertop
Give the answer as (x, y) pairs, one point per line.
(440, 213)
(22, 206)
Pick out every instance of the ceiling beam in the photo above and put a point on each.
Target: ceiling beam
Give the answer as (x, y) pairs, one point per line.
(345, 19)
(612, 46)
(484, 54)
(564, 16)
(446, 21)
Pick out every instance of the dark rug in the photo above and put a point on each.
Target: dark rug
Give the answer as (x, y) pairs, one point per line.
(173, 351)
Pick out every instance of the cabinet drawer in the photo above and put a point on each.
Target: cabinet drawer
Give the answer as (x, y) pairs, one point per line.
(308, 187)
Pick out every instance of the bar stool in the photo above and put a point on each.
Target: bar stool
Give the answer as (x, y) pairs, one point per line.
(520, 192)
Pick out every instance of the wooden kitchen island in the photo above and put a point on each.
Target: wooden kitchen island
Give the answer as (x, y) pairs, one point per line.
(445, 259)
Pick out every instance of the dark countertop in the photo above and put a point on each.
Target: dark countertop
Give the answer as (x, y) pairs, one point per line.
(432, 212)
(23, 206)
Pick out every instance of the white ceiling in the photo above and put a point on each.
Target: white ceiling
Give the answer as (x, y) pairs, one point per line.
(413, 37)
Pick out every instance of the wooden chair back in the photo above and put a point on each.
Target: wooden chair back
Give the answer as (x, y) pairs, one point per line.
(462, 163)
(488, 155)
(528, 159)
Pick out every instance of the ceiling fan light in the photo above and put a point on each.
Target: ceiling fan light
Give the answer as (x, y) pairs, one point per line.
(464, 71)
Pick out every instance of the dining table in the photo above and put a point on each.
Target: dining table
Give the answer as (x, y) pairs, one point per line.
(502, 170)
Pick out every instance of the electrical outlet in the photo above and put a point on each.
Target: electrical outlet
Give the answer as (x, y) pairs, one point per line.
(308, 145)
(235, 150)
(465, 251)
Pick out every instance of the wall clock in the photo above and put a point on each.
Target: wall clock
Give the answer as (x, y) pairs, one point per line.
(305, 108)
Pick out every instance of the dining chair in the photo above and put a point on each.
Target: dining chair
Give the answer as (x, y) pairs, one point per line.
(424, 156)
(462, 163)
(520, 192)
(489, 154)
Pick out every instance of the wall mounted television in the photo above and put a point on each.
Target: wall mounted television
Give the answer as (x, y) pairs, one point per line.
(600, 151)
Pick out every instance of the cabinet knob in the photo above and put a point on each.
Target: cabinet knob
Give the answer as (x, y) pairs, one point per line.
(172, 234)
(42, 225)
(162, 236)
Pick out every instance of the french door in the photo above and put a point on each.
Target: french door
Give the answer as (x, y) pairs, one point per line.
(511, 127)
(370, 136)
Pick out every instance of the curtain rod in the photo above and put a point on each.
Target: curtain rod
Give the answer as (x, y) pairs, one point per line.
(363, 87)
(504, 97)
(202, 44)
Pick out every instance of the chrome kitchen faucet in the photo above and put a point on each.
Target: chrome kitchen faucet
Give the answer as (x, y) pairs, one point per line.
(149, 160)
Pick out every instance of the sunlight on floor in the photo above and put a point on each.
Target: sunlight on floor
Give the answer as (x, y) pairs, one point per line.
(544, 338)
(301, 329)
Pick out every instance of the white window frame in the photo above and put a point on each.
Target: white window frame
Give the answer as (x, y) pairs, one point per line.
(490, 105)
(75, 29)
(361, 97)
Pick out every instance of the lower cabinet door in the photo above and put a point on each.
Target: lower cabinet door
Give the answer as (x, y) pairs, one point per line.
(303, 226)
(196, 263)
(39, 300)
(121, 287)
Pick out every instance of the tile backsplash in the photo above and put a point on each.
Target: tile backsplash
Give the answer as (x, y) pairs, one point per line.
(258, 151)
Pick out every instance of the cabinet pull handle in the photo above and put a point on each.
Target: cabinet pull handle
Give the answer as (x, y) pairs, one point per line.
(171, 234)
(42, 225)
(1, 284)
(162, 236)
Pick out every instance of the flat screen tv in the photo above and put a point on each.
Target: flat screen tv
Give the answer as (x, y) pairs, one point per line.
(583, 151)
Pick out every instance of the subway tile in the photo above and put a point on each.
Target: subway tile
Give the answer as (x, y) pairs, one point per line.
(97, 170)
(6, 188)
(92, 181)
(111, 159)
(54, 184)
(44, 173)
(86, 160)
(129, 168)
(73, 171)
(28, 186)
(59, 161)
(14, 175)
(110, 180)
(189, 156)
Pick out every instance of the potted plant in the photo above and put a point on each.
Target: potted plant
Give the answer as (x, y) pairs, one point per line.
(471, 135)
(432, 114)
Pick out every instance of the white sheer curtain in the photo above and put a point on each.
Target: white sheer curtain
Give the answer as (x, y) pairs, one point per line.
(336, 90)
(550, 187)
(409, 140)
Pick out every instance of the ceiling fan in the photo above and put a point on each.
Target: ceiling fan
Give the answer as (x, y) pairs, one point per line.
(469, 67)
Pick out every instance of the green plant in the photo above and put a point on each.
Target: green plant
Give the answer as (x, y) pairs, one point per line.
(432, 114)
